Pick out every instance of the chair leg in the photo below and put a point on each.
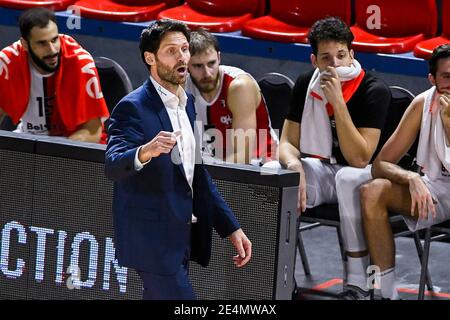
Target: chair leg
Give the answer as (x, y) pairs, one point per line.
(420, 255)
(341, 244)
(343, 256)
(302, 252)
(424, 267)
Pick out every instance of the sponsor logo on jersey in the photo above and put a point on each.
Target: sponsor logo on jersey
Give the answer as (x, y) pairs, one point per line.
(226, 119)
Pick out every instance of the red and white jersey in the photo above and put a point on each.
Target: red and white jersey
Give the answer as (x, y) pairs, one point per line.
(37, 118)
(217, 115)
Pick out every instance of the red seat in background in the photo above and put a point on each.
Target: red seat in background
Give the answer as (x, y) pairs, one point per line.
(404, 23)
(56, 5)
(123, 10)
(215, 15)
(425, 48)
(290, 20)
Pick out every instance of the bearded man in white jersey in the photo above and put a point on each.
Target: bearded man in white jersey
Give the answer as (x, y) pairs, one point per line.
(57, 80)
(230, 106)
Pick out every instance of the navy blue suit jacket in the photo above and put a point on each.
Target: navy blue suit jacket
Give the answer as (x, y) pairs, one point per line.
(152, 207)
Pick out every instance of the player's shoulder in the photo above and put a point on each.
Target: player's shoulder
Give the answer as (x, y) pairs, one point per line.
(238, 79)
(231, 71)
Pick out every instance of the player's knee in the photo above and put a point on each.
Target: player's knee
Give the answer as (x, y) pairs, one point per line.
(371, 196)
(349, 178)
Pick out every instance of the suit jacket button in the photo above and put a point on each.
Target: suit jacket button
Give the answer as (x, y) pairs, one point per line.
(189, 193)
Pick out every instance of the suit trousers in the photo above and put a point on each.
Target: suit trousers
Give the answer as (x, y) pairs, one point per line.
(168, 287)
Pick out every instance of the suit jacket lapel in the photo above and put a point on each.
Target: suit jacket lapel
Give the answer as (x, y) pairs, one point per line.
(158, 106)
(198, 131)
(190, 110)
(161, 111)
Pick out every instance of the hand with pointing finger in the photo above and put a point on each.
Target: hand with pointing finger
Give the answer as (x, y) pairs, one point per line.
(162, 143)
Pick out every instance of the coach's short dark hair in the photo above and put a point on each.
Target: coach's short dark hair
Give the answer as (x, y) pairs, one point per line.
(329, 29)
(35, 17)
(152, 35)
(201, 40)
(440, 52)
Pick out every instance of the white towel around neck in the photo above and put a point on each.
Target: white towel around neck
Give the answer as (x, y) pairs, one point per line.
(432, 150)
(315, 137)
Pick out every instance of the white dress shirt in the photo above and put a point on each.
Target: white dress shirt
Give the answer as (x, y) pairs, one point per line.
(176, 108)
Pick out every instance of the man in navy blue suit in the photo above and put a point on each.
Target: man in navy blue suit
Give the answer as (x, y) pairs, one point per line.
(165, 204)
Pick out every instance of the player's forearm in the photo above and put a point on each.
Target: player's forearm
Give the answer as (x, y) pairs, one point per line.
(392, 171)
(89, 131)
(241, 153)
(289, 155)
(243, 146)
(237, 157)
(352, 144)
(86, 135)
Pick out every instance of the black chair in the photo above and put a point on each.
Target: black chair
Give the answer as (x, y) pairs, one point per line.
(328, 214)
(276, 89)
(7, 124)
(114, 81)
(443, 232)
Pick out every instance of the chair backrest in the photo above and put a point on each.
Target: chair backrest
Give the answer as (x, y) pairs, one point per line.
(276, 89)
(399, 18)
(138, 2)
(114, 81)
(401, 98)
(304, 13)
(55, 5)
(7, 124)
(224, 8)
(446, 18)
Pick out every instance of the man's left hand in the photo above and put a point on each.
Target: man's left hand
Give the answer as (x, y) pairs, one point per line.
(331, 86)
(243, 247)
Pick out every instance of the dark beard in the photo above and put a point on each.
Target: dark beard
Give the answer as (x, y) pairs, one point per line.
(204, 89)
(169, 75)
(40, 63)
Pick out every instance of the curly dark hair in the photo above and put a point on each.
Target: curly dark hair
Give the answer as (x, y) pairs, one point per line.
(440, 52)
(331, 28)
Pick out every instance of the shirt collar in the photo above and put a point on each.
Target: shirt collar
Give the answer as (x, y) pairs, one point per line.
(170, 100)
